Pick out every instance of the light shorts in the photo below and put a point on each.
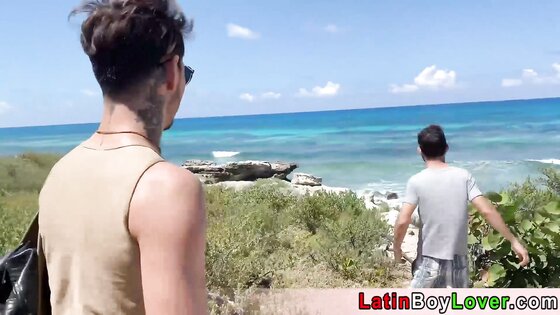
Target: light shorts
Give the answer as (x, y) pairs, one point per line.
(439, 273)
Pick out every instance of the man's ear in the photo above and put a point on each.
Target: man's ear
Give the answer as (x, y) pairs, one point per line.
(419, 150)
(172, 74)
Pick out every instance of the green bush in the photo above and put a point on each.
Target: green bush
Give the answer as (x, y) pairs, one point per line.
(348, 234)
(532, 211)
(267, 237)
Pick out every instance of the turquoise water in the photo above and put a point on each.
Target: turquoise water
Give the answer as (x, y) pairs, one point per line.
(361, 149)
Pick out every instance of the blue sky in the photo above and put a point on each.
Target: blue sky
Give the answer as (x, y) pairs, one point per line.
(260, 56)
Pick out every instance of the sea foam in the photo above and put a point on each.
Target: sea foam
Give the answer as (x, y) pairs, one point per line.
(547, 161)
(224, 154)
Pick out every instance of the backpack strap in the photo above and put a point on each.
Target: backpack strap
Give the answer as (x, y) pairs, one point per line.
(32, 235)
(33, 239)
(44, 306)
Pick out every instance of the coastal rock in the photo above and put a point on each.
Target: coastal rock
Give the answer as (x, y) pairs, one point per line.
(392, 196)
(211, 173)
(377, 197)
(380, 200)
(282, 170)
(287, 187)
(306, 180)
(377, 194)
(212, 178)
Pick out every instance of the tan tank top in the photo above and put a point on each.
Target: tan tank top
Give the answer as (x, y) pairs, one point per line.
(93, 262)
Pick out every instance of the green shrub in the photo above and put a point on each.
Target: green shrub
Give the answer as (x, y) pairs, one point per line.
(532, 212)
(266, 236)
(552, 180)
(348, 240)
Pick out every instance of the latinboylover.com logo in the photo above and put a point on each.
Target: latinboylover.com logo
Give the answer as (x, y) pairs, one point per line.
(445, 303)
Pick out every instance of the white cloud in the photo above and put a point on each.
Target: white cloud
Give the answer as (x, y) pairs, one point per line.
(247, 97)
(332, 28)
(271, 95)
(435, 78)
(237, 31)
(405, 88)
(511, 82)
(430, 78)
(330, 89)
(556, 67)
(90, 93)
(529, 73)
(4, 107)
(532, 77)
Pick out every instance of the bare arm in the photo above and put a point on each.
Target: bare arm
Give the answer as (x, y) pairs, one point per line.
(168, 220)
(492, 216)
(401, 226)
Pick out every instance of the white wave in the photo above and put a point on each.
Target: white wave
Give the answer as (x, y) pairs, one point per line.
(224, 154)
(547, 161)
(382, 187)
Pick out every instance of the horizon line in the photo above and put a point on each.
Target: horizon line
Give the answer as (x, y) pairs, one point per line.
(311, 111)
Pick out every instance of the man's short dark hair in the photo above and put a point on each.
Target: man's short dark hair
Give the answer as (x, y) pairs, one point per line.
(127, 40)
(432, 142)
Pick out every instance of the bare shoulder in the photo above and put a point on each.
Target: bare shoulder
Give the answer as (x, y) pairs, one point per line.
(168, 177)
(168, 196)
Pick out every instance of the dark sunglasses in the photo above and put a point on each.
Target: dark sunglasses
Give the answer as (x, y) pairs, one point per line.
(189, 72)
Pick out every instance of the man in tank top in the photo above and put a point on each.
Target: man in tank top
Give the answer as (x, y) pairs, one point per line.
(122, 230)
(442, 194)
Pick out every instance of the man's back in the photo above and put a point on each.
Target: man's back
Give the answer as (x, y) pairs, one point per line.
(442, 195)
(93, 262)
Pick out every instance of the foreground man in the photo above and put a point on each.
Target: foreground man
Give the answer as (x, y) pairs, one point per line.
(123, 231)
(442, 193)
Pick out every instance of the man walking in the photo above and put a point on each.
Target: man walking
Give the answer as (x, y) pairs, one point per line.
(122, 230)
(442, 193)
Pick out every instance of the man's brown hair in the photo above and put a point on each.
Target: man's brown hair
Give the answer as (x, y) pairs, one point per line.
(128, 40)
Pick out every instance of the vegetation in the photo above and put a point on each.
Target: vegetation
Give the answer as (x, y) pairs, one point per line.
(268, 237)
(532, 210)
(261, 237)
(21, 179)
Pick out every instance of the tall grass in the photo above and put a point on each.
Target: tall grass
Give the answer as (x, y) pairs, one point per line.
(21, 179)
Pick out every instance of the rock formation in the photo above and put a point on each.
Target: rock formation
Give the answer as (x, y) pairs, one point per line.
(306, 180)
(211, 172)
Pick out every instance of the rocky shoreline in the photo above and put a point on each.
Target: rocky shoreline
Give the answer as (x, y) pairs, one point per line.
(243, 174)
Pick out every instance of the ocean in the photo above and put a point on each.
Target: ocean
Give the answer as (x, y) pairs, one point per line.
(363, 149)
